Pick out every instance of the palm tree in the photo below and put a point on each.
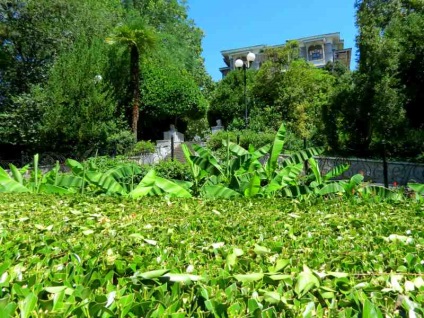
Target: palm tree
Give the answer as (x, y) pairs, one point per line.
(139, 38)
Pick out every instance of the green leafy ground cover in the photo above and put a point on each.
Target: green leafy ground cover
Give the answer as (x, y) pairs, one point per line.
(78, 256)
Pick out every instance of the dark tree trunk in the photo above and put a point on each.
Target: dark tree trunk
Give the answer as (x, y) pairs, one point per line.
(135, 86)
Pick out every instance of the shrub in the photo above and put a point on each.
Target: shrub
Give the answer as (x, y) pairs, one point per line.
(198, 127)
(171, 170)
(120, 143)
(245, 138)
(143, 147)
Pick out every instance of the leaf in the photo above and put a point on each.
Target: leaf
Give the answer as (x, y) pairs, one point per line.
(55, 289)
(16, 174)
(218, 191)
(87, 232)
(272, 297)
(172, 188)
(261, 250)
(151, 242)
(336, 171)
(151, 274)
(27, 305)
(305, 281)
(277, 148)
(371, 311)
(105, 182)
(9, 185)
(76, 167)
(253, 187)
(183, 278)
(248, 278)
(417, 187)
(333, 187)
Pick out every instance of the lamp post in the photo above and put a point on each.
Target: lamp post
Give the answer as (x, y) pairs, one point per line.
(245, 65)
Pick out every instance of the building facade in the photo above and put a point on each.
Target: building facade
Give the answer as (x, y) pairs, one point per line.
(317, 49)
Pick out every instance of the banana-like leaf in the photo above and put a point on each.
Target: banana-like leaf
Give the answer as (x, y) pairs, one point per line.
(234, 148)
(334, 187)
(145, 186)
(16, 174)
(9, 185)
(336, 171)
(105, 182)
(36, 181)
(284, 178)
(277, 148)
(417, 187)
(302, 155)
(253, 187)
(76, 167)
(195, 170)
(261, 151)
(140, 192)
(313, 164)
(206, 161)
(218, 191)
(69, 181)
(171, 188)
(52, 189)
(296, 191)
(124, 171)
(382, 193)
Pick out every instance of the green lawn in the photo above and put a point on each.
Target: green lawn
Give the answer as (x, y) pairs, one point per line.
(103, 257)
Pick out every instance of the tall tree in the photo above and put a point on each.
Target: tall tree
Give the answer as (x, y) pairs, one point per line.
(391, 33)
(138, 38)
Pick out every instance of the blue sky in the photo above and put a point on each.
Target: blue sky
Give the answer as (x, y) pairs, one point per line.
(229, 24)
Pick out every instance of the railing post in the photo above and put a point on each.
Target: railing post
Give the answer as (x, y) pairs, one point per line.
(385, 169)
(172, 147)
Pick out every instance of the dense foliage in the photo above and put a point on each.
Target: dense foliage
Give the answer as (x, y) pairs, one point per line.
(85, 257)
(351, 113)
(63, 88)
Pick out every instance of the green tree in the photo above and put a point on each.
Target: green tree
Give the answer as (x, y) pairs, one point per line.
(139, 38)
(227, 101)
(171, 94)
(390, 71)
(79, 109)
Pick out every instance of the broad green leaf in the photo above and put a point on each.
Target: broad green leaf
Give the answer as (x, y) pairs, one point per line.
(172, 188)
(336, 171)
(272, 297)
(305, 281)
(27, 305)
(10, 185)
(313, 164)
(370, 310)
(330, 188)
(253, 187)
(8, 310)
(76, 167)
(152, 274)
(277, 148)
(16, 174)
(55, 289)
(183, 278)
(417, 187)
(261, 250)
(105, 182)
(248, 278)
(219, 191)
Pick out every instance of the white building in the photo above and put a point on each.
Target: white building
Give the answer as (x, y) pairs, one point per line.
(317, 49)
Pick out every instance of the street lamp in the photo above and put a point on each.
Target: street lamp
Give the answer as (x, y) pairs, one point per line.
(240, 63)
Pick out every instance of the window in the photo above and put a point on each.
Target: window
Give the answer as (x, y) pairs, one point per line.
(315, 52)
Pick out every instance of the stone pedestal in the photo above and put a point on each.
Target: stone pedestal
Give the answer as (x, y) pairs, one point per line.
(218, 127)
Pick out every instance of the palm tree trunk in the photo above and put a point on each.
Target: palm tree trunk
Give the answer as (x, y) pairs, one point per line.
(135, 84)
